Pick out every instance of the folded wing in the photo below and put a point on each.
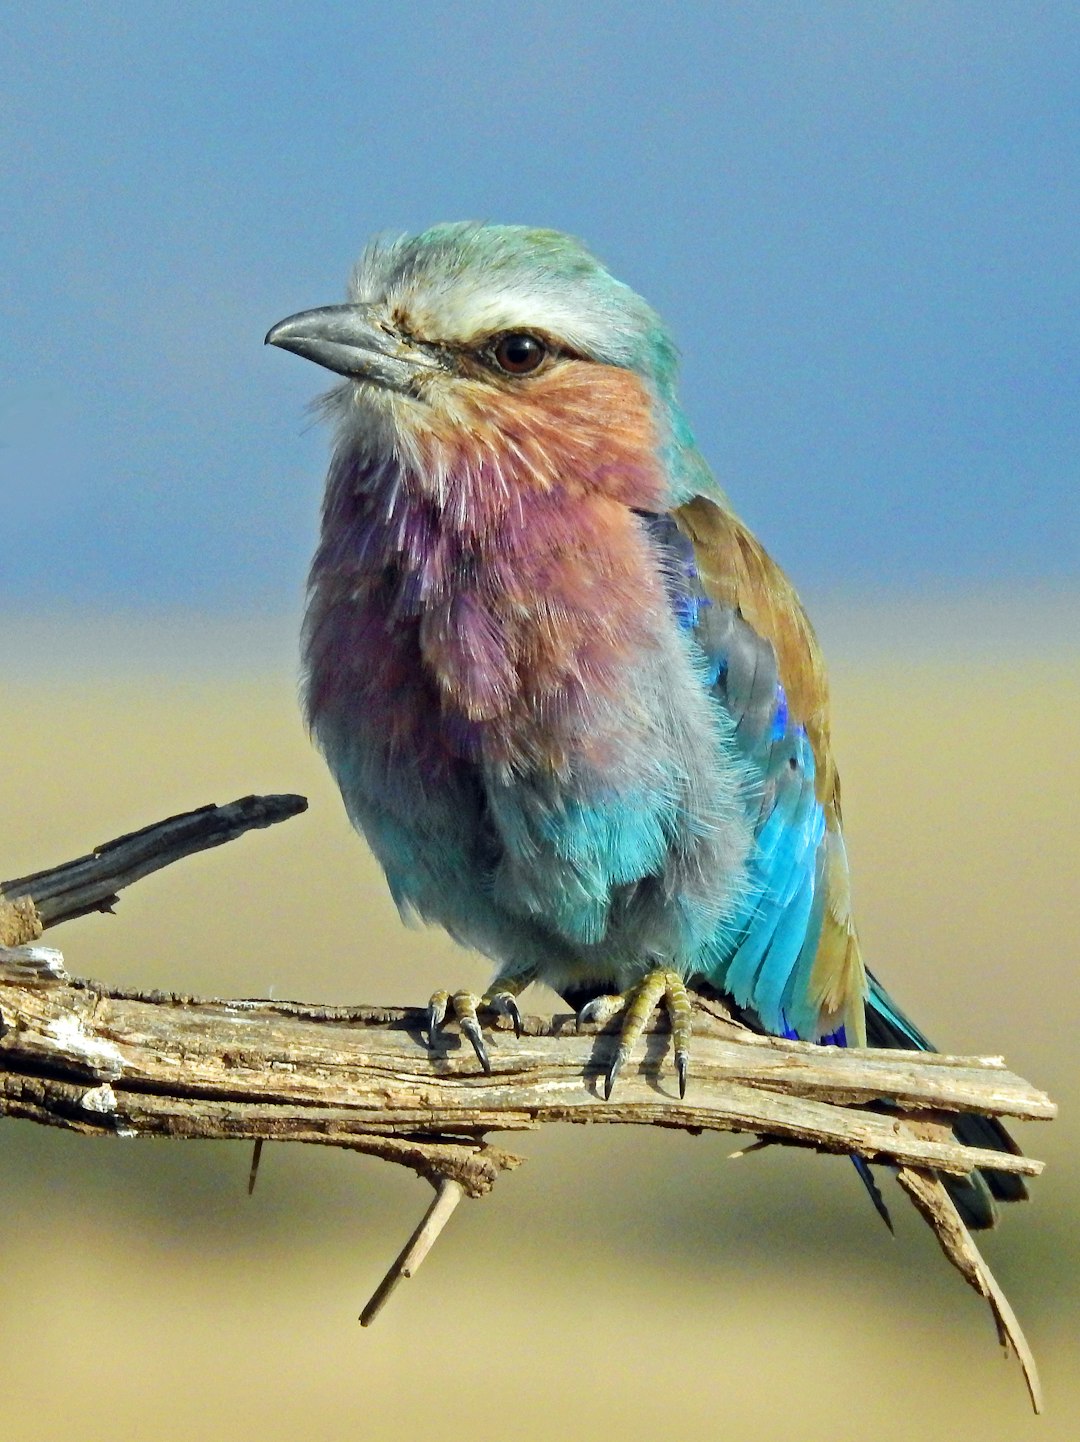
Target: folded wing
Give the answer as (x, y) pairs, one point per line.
(795, 961)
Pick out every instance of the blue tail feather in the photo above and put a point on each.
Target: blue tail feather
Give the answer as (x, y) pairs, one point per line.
(887, 1026)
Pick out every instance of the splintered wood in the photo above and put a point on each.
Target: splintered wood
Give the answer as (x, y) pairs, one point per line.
(97, 1060)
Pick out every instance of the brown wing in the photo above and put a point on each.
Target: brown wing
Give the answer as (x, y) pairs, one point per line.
(736, 571)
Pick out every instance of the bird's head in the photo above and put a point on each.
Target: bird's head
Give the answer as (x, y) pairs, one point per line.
(504, 341)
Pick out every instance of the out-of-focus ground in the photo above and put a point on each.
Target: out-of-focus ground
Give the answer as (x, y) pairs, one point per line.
(625, 1284)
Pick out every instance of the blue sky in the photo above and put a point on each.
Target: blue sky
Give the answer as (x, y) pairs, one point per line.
(861, 221)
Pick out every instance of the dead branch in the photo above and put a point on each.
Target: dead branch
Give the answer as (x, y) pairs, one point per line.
(108, 1062)
(189, 1066)
(936, 1207)
(91, 882)
(102, 1061)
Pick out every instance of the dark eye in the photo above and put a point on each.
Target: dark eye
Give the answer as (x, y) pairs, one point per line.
(519, 354)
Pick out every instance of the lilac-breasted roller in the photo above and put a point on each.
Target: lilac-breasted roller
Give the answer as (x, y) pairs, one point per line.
(575, 708)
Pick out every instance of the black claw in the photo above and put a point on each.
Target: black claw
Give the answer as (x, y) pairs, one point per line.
(682, 1066)
(471, 1028)
(515, 1014)
(434, 1021)
(612, 1072)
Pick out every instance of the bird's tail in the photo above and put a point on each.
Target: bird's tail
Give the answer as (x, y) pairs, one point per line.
(975, 1194)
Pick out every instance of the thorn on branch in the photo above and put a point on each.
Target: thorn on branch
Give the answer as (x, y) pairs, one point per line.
(256, 1158)
(447, 1195)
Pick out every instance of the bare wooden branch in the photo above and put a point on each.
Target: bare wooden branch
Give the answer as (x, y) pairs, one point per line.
(98, 1060)
(181, 1065)
(92, 882)
(936, 1207)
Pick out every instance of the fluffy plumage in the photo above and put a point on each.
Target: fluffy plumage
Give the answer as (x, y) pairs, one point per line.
(576, 709)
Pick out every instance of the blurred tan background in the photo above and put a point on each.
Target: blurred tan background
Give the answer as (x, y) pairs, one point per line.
(630, 1284)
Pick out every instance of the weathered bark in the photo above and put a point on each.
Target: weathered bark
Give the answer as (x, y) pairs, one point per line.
(94, 1059)
(91, 882)
(186, 1066)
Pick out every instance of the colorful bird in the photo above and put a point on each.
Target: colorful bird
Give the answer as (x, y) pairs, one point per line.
(575, 708)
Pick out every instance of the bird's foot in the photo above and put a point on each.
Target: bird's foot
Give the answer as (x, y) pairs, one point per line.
(638, 1004)
(462, 1007)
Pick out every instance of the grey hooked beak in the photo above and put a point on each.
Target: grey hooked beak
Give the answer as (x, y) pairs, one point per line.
(345, 338)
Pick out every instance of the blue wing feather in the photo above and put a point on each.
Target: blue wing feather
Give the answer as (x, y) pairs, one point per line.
(766, 964)
(766, 967)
